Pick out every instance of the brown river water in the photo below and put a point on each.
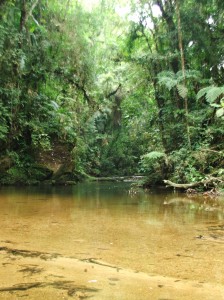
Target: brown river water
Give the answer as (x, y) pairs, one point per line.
(105, 241)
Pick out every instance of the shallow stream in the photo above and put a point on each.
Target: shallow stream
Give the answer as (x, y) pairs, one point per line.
(154, 240)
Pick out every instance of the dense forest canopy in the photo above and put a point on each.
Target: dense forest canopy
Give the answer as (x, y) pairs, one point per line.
(111, 88)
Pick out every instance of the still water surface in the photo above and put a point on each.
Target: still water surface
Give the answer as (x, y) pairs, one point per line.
(155, 232)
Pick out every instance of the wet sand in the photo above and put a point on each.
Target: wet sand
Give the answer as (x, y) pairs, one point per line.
(32, 275)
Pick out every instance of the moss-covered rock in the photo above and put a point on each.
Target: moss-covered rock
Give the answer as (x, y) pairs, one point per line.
(40, 172)
(5, 164)
(64, 174)
(30, 175)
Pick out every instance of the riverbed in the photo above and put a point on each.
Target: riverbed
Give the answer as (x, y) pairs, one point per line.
(110, 241)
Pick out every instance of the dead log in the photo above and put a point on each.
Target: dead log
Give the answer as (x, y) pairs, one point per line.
(210, 181)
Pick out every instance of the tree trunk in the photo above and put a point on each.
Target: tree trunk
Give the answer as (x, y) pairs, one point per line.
(180, 38)
(211, 181)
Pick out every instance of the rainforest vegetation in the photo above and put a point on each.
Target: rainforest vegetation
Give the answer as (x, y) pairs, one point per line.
(111, 88)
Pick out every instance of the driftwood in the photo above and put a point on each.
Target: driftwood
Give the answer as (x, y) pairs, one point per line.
(210, 181)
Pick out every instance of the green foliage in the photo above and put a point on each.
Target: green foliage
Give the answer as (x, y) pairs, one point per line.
(192, 166)
(170, 80)
(186, 168)
(202, 92)
(182, 90)
(155, 164)
(41, 141)
(151, 157)
(4, 128)
(45, 70)
(97, 84)
(214, 94)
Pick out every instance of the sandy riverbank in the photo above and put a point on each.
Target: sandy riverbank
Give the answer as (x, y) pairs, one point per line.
(33, 275)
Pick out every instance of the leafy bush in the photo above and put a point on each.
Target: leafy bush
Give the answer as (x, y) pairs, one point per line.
(155, 165)
(189, 166)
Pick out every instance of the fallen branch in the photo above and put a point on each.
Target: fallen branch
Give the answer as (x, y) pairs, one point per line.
(211, 181)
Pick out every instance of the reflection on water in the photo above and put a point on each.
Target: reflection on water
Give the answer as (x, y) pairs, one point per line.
(116, 197)
(155, 231)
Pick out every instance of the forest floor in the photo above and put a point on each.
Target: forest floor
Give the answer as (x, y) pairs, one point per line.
(33, 275)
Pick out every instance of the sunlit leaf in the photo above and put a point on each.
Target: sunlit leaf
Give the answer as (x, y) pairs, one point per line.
(220, 112)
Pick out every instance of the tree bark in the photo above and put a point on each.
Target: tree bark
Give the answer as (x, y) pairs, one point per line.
(26, 14)
(168, 9)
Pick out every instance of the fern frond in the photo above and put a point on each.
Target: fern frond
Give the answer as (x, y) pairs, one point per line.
(189, 74)
(202, 92)
(168, 79)
(167, 82)
(193, 74)
(169, 74)
(154, 155)
(182, 90)
(213, 93)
